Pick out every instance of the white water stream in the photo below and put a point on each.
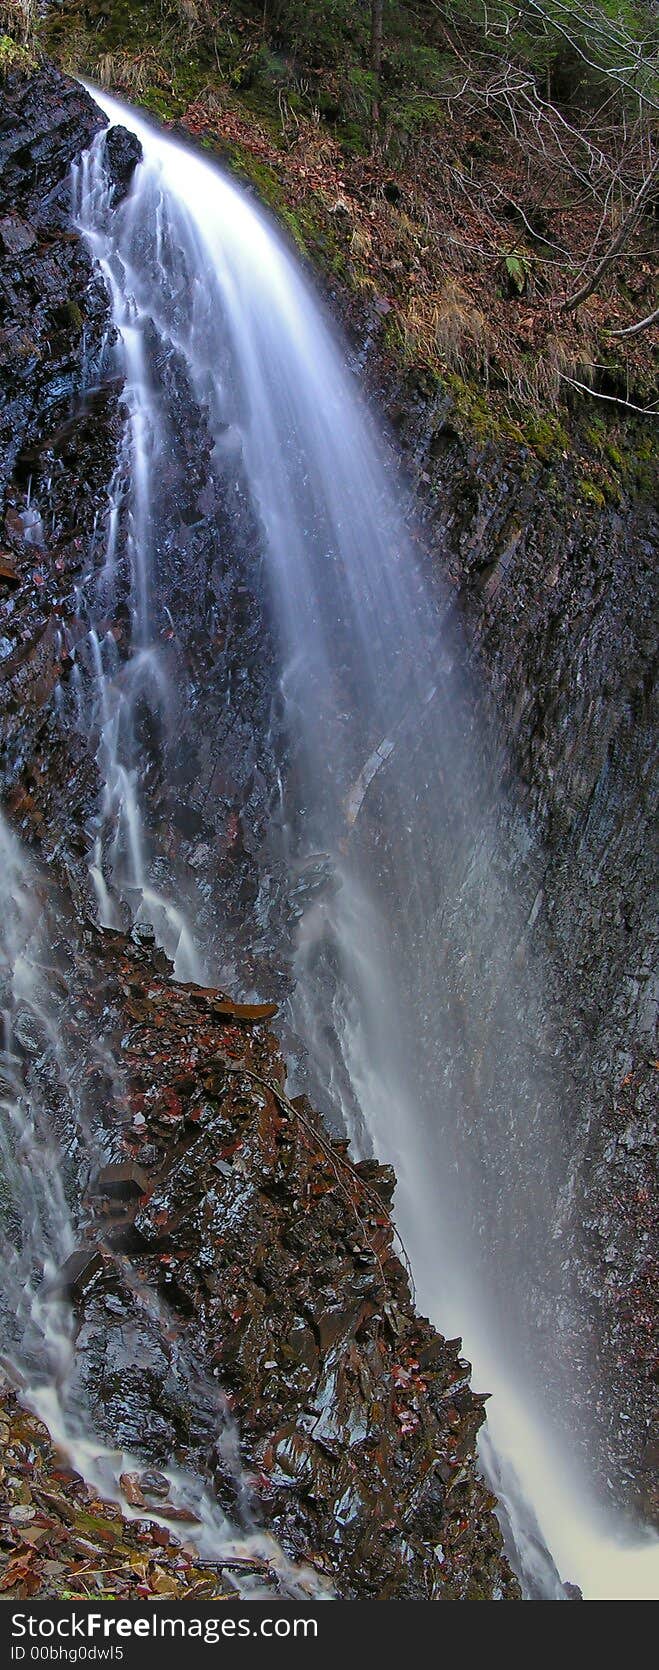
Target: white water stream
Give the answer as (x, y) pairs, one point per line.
(44, 1126)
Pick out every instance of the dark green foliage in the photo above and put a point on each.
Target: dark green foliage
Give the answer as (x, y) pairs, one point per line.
(315, 54)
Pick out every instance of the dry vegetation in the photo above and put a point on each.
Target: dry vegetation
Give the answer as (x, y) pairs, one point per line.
(502, 204)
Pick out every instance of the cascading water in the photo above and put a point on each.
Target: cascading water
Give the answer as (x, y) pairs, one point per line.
(36, 1234)
(415, 994)
(47, 1134)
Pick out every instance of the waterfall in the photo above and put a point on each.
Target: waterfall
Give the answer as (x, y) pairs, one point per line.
(417, 998)
(46, 1135)
(418, 1004)
(36, 1232)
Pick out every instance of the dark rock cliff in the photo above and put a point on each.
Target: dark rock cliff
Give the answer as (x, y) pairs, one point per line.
(366, 1422)
(48, 301)
(57, 431)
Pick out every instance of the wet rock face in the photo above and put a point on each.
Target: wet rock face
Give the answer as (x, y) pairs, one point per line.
(567, 646)
(58, 436)
(47, 119)
(61, 425)
(557, 600)
(123, 152)
(45, 278)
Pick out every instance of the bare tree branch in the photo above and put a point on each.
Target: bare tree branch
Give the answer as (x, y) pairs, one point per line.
(646, 411)
(624, 59)
(641, 325)
(622, 236)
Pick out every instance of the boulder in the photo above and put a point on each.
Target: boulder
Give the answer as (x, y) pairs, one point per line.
(123, 152)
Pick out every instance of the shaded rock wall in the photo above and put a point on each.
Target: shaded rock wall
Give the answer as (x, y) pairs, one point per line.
(276, 1298)
(48, 301)
(58, 435)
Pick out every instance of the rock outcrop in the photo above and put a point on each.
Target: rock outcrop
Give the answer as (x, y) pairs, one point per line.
(277, 1300)
(58, 435)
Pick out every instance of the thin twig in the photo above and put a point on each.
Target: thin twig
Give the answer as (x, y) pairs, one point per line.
(645, 411)
(641, 325)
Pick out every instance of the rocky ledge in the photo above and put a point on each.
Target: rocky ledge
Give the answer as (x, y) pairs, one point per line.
(277, 1301)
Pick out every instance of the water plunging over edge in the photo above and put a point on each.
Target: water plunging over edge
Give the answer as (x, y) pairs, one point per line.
(353, 612)
(41, 1131)
(307, 445)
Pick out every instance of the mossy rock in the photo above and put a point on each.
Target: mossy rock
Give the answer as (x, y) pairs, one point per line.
(15, 59)
(592, 494)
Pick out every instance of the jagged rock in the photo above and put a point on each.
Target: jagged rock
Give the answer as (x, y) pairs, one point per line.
(51, 431)
(8, 571)
(80, 1271)
(123, 151)
(15, 235)
(154, 1484)
(48, 119)
(128, 1181)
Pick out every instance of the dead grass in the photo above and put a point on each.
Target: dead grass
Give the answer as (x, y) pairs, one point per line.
(472, 249)
(563, 359)
(132, 73)
(446, 327)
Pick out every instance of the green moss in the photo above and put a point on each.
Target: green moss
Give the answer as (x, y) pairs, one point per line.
(475, 415)
(590, 493)
(626, 456)
(483, 418)
(15, 59)
(259, 173)
(547, 437)
(266, 182)
(307, 222)
(513, 430)
(162, 103)
(353, 139)
(595, 433)
(644, 466)
(70, 316)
